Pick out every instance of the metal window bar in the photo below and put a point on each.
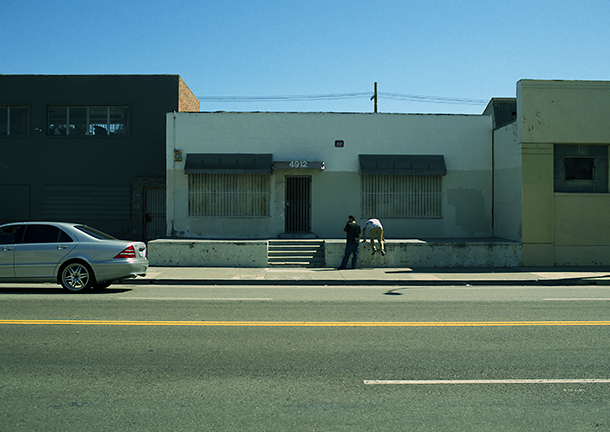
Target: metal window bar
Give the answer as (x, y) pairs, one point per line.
(401, 196)
(229, 195)
(8, 120)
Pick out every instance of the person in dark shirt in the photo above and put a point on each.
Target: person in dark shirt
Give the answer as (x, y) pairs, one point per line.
(352, 229)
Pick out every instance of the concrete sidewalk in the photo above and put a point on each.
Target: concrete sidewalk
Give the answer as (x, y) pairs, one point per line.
(376, 276)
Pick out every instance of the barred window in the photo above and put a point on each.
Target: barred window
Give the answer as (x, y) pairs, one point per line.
(229, 195)
(401, 196)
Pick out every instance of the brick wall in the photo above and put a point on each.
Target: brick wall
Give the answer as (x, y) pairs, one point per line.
(186, 99)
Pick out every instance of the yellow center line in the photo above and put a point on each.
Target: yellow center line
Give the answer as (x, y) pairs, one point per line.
(304, 323)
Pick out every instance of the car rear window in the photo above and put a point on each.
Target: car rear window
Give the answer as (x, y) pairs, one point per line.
(94, 233)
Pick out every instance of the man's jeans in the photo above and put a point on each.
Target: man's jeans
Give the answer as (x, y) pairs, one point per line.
(377, 232)
(349, 250)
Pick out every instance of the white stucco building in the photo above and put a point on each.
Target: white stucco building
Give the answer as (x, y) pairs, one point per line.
(269, 175)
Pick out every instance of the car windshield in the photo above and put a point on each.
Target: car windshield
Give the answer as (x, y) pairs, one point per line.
(94, 233)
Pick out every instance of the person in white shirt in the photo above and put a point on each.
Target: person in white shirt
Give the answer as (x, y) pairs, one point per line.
(376, 230)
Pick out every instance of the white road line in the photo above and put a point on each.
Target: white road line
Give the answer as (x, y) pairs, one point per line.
(195, 298)
(505, 381)
(577, 299)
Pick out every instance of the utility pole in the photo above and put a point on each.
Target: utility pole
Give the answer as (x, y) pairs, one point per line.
(375, 97)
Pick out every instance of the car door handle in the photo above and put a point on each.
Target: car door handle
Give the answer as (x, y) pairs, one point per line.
(62, 247)
(8, 248)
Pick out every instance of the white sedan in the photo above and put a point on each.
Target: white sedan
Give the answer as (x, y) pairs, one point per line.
(75, 256)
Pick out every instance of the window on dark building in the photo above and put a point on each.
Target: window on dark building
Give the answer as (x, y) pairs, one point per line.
(13, 120)
(88, 120)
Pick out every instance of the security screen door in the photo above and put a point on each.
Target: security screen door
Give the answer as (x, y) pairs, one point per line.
(298, 204)
(154, 217)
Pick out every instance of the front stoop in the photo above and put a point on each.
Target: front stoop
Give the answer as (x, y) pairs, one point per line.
(296, 253)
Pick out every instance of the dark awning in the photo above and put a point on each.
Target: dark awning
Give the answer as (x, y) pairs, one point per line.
(403, 164)
(228, 163)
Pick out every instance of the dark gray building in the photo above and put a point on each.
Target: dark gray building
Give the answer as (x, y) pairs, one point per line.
(88, 149)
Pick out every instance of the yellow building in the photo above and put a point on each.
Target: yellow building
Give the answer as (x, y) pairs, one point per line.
(558, 147)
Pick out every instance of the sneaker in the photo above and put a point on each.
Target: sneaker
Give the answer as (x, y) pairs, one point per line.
(382, 252)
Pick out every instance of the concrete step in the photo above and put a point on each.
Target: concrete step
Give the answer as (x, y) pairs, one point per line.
(296, 264)
(296, 253)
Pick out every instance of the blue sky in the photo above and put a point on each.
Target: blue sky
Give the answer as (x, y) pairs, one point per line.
(463, 50)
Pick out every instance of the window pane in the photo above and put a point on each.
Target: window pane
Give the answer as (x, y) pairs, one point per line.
(98, 121)
(229, 195)
(3, 120)
(84, 120)
(95, 233)
(118, 120)
(19, 120)
(579, 168)
(64, 238)
(41, 234)
(401, 196)
(57, 120)
(10, 234)
(77, 116)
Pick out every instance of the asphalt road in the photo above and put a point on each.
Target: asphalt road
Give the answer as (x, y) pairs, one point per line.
(180, 358)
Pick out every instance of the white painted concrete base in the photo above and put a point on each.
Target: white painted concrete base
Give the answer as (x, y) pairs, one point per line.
(439, 253)
(207, 253)
(399, 253)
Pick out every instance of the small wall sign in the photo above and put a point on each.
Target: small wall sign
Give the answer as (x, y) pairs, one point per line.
(339, 143)
(298, 164)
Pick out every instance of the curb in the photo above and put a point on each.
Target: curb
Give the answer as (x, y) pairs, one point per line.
(370, 282)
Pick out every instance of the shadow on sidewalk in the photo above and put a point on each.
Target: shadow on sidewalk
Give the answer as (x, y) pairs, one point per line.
(497, 270)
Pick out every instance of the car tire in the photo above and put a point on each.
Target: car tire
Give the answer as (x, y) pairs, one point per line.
(76, 277)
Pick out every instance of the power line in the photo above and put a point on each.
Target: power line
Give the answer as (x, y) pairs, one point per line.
(433, 99)
(288, 98)
(339, 96)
